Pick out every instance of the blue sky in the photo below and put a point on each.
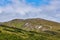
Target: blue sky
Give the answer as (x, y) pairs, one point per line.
(37, 2)
(23, 9)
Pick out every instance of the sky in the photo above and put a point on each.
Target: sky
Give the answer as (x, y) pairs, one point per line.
(24, 9)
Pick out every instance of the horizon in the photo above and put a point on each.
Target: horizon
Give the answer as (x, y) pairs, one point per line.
(26, 9)
(29, 19)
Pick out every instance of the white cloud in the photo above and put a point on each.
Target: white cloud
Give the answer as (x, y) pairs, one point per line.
(0, 11)
(45, 11)
(18, 7)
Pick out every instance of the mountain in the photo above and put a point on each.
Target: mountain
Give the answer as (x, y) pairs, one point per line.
(32, 24)
(30, 29)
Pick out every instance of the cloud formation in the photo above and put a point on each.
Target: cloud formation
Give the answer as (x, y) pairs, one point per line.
(48, 9)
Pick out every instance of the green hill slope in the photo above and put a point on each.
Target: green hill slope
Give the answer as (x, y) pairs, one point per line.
(30, 29)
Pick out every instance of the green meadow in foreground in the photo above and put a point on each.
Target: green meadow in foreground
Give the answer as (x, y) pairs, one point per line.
(30, 29)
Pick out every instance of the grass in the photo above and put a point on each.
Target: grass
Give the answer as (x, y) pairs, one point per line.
(15, 30)
(10, 33)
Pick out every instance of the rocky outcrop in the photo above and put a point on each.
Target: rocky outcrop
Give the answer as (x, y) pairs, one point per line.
(36, 27)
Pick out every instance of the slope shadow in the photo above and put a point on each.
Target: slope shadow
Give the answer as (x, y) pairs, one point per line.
(52, 32)
(7, 28)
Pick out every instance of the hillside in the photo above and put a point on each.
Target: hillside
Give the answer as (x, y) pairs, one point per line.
(30, 29)
(33, 24)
